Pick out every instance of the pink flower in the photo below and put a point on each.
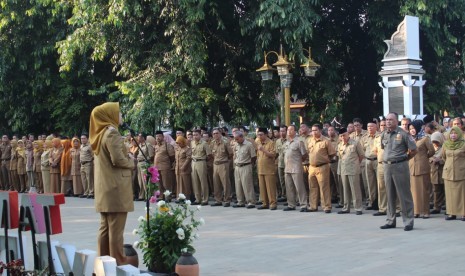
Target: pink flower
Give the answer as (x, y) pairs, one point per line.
(153, 199)
(154, 174)
(156, 193)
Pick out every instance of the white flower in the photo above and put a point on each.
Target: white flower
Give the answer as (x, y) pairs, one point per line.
(141, 219)
(180, 231)
(199, 207)
(202, 221)
(136, 244)
(184, 250)
(167, 193)
(160, 203)
(181, 196)
(135, 232)
(188, 202)
(181, 237)
(196, 236)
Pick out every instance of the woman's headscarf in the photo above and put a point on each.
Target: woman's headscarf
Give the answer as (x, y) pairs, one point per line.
(65, 164)
(453, 145)
(21, 150)
(181, 141)
(48, 144)
(56, 142)
(75, 139)
(417, 124)
(438, 137)
(101, 117)
(39, 146)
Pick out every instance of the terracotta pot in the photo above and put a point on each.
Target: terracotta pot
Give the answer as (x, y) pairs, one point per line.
(131, 255)
(187, 265)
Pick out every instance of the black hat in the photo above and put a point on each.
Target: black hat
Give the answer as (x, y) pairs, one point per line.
(263, 129)
(158, 132)
(276, 128)
(428, 119)
(180, 129)
(417, 124)
(342, 130)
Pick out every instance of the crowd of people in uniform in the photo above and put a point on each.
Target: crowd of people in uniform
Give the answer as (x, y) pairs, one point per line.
(414, 170)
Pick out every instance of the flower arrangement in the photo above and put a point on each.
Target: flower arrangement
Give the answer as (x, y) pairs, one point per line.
(168, 233)
(16, 268)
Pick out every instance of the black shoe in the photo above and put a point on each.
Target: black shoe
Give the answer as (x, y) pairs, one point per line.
(250, 206)
(408, 228)
(462, 219)
(92, 196)
(259, 203)
(343, 212)
(204, 203)
(416, 216)
(273, 208)
(313, 210)
(303, 210)
(425, 216)
(289, 209)
(195, 203)
(327, 211)
(227, 204)
(388, 226)
(434, 212)
(282, 199)
(238, 205)
(262, 207)
(338, 206)
(82, 196)
(379, 214)
(369, 208)
(216, 204)
(397, 215)
(358, 213)
(285, 204)
(443, 208)
(451, 217)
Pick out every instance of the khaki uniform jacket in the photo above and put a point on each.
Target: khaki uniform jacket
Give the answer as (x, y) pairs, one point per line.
(164, 152)
(454, 167)
(183, 158)
(112, 175)
(437, 168)
(221, 150)
(37, 163)
(266, 164)
(21, 164)
(320, 151)
(419, 164)
(45, 160)
(55, 157)
(75, 161)
(13, 160)
(349, 157)
(279, 144)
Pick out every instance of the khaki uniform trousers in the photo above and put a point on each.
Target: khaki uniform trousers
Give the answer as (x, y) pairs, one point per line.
(364, 180)
(337, 181)
(439, 196)
(166, 181)
(110, 236)
(244, 184)
(87, 178)
(200, 181)
(267, 185)
(306, 168)
(371, 167)
(14, 180)
(281, 182)
(382, 196)
(221, 183)
(46, 179)
(320, 187)
(397, 180)
(141, 178)
(38, 181)
(295, 187)
(6, 175)
(184, 184)
(352, 191)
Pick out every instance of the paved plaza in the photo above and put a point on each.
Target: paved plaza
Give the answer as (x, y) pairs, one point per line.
(263, 242)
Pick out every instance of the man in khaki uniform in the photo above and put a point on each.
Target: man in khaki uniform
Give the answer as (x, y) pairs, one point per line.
(294, 153)
(357, 135)
(164, 158)
(350, 154)
(320, 151)
(334, 164)
(200, 153)
(280, 143)
(371, 164)
(304, 135)
(146, 151)
(86, 158)
(222, 154)
(5, 153)
(398, 147)
(244, 157)
(266, 155)
(206, 136)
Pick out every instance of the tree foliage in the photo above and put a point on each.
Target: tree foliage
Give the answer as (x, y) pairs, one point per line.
(192, 62)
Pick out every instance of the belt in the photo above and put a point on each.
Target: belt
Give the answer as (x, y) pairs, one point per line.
(333, 161)
(197, 160)
(85, 162)
(243, 164)
(6, 159)
(372, 159)
(220, 162)
(319, 165)
(395, 162)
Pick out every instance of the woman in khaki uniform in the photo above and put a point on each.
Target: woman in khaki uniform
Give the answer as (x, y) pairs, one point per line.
(14, 166)
(45, 165)
(183, 168)
(21, 166)
(437, 166)
(55, 162)
(454, 173)
(37, 145)
(420, 178)
(76, 167)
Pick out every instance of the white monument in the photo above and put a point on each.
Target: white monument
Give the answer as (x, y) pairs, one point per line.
(402, 72)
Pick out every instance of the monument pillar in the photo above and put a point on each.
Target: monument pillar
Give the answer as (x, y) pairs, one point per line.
(402, 73)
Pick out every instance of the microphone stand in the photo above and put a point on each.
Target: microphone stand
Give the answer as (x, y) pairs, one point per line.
(147, 175)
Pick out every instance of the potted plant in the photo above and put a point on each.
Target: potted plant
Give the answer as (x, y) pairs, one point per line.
(166, 232)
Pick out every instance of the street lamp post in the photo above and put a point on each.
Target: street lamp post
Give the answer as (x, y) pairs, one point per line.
(283, 67)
